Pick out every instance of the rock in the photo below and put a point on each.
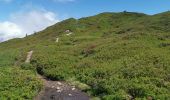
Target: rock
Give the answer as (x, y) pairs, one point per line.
(70, 94)
(73, 89)
(59, 91)
(58, 88)
(67, 31)
(59, 83)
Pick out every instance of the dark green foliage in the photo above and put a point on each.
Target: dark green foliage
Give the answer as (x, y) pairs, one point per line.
(164, 44)
(27, 66)
(17, 84)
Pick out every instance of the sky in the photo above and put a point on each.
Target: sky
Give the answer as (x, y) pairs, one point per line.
(21, 17)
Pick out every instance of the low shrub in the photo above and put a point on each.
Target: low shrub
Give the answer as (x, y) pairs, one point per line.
(27, 66)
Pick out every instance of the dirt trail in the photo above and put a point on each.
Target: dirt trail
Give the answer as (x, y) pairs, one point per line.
(29, 55)
(57, 90)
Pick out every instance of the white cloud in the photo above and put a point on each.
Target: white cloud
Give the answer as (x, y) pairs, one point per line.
(35, 20)
(23, 23)
(9, 30)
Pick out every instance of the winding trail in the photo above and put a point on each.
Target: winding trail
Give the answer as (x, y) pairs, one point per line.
(57, 90)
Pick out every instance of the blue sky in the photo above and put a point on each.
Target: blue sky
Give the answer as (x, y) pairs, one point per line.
(27, 16)
(80, 8)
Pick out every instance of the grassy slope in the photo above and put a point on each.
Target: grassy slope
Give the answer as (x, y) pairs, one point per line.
(16, 83)
(118, 55)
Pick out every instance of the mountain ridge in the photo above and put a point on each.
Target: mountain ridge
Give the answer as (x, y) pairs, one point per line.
(109, 56)
(104, 13)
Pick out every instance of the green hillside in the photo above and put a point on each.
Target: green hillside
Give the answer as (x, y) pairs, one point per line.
(115, 56)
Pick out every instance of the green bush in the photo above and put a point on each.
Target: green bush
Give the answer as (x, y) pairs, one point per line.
(27, 66)
(18, 84)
